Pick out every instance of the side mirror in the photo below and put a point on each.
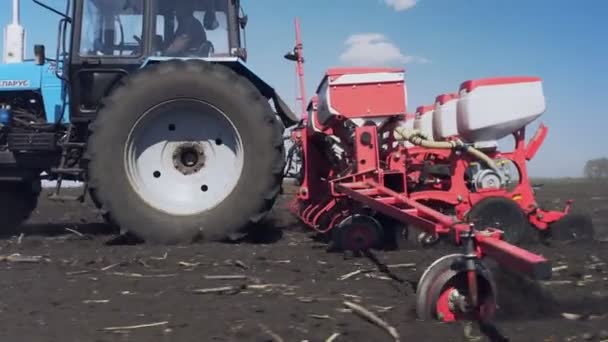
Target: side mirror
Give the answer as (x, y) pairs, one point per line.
(39, 54)
(291, 56)
(243, 21)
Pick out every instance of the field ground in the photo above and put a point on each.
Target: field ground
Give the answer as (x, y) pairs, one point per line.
(81, 286)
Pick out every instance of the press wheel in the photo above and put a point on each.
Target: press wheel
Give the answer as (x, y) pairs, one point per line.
(357, 233)
(443, 292)
(501, 213)
(571, 227)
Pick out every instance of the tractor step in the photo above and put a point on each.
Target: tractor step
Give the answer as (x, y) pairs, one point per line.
(73, 144)
(68, 171)
(65, 169)
(62, 198)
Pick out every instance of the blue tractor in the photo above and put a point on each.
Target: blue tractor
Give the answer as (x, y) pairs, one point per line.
(175, 139)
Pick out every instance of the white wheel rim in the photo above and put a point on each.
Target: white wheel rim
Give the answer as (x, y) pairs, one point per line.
(159, 140)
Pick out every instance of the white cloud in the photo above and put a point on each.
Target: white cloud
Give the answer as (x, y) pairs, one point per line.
(368, 49)
(400, 5)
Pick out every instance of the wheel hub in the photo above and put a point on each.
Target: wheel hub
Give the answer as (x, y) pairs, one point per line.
(189, 158)
(361, 237)
(457, 302)
(184, 157)
(427, 240)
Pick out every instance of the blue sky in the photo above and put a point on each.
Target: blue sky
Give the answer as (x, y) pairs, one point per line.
(440, 43)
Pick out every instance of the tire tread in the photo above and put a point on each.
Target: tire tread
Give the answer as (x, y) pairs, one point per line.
(258, 104)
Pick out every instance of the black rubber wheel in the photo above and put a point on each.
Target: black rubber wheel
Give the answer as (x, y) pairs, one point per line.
(448, 272)
(501, 213)
(198, 87)
(571, 227)
(395, 233)
(105, 215)
(357, 233)
(18, 200)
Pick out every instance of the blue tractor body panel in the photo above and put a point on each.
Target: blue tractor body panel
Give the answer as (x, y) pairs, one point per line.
(20, 77)
(52, 93)
(29, 77)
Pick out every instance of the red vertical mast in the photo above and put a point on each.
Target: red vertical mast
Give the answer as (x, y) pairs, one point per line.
(299, 51)
(297, 55)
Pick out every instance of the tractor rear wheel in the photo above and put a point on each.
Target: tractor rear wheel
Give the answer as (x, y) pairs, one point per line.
(185, 151)
(18, 200)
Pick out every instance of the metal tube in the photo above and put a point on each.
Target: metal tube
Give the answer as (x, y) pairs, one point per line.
(471, 257)
(426, 211)
(16, 17)
(416, 137)
(300, 69)
(515, 258)
(507, 255)
(410, 216)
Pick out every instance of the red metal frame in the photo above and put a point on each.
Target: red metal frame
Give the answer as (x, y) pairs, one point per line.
(457, 194)
(299, 51)
(374, 174)
(333, 190)
(408, 162)
(410, 211)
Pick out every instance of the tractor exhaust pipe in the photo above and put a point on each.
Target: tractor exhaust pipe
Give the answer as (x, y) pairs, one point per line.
(16, 10)
(14, 38)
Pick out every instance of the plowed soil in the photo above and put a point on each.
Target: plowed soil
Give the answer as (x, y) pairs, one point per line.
(77, 287)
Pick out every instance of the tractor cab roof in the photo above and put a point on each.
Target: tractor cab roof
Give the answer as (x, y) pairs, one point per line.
(199, 5)
(126, 7)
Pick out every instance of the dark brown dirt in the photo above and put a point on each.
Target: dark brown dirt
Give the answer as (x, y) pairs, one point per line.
(83, 286)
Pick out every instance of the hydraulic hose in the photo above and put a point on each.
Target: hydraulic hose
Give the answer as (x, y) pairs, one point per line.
(418, 138)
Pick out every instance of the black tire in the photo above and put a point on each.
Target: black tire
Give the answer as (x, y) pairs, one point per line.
(571, 227)
(501, 213)
(436, 276)
(18, 200)
(259, 129)
(357, 233)
(395, 235)
(105, 215)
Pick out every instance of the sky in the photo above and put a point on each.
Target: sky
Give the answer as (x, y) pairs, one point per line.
(440, 43)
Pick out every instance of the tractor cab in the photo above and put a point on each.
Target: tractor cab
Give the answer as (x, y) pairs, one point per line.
(167, 28)
(110, 39)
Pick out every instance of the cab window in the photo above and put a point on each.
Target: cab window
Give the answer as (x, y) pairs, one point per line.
(191, 28)
(111, 28)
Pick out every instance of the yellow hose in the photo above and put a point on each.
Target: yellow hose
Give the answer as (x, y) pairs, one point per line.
(418, 138)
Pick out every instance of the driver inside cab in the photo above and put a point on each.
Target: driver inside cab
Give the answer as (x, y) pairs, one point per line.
(190, 34)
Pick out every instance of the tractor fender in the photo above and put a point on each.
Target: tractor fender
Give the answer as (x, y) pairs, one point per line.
(288, 117)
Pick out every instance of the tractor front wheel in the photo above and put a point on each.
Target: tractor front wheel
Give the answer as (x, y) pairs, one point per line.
(17, 202)
(185, 151)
